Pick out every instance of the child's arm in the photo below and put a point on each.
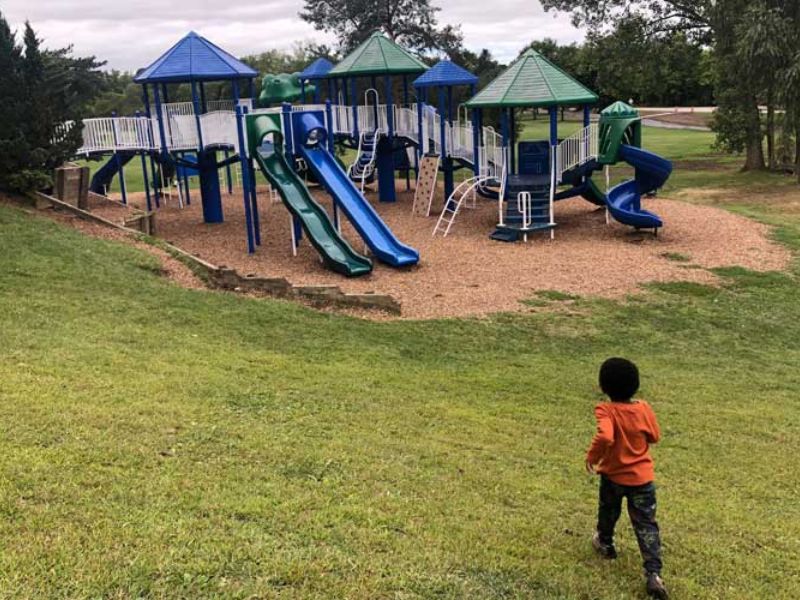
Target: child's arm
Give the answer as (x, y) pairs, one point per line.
(654, 434)
(604, 436)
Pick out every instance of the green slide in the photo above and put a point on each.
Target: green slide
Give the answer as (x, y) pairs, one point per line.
(334, 249)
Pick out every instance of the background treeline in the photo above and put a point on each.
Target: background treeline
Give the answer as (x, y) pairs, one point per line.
(669, 70)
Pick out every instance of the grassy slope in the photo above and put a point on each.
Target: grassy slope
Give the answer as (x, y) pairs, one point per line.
(161, 441)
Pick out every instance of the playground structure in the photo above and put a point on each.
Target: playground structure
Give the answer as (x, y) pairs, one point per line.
(282, 140)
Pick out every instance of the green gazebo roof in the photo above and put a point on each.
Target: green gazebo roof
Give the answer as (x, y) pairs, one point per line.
(530, 81)
(378, 55)
(620, 110)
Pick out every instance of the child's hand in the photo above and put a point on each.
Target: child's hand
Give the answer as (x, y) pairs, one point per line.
(590, 468)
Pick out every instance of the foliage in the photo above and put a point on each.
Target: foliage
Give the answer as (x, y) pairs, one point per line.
(629, 63)
(752, 43)
(410, 23)
(40, 91)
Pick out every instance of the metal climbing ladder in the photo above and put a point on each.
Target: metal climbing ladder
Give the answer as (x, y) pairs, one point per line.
(466, 189)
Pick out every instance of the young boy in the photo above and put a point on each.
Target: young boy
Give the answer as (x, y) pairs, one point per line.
(620, 454)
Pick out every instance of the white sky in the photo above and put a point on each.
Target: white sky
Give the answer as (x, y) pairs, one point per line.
(134, 33)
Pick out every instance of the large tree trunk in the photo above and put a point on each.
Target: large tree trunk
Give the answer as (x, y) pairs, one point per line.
(754, 160)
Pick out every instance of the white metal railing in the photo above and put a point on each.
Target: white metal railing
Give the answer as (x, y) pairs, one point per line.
(308, 107)
(219, 128)
(107, 134)
(461, 141)
(181, 132)
(577, 149)
(524, 205)
(342, 119)
(405, 122)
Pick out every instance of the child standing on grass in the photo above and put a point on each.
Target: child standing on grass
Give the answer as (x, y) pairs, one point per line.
(620, 454)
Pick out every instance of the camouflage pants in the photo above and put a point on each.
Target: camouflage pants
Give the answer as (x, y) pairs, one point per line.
(641, 510)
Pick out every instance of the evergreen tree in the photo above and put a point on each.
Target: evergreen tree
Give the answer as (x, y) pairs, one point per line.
(40, 91)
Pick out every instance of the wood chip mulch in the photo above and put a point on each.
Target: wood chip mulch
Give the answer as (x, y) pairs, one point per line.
(468, 274)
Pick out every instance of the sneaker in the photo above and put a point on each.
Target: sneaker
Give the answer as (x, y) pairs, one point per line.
(604, 550)
(656, 587)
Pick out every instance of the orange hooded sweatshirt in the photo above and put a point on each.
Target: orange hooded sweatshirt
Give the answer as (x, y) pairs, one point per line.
(621, 446)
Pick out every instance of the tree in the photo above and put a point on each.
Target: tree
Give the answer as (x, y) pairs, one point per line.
(410, 23)
(709, 21)
(40, 91)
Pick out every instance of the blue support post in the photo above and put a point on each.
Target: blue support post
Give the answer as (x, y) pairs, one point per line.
(228, 176)
(186, 191)
(446, 161)
(288, 141)
(248, 217)
(389, 106)
(442, 123)
(450, 104)
(405, 90)
(196, 106)
(148, 114)
(355, 106)
(476, 137)
(118, 160)
(553, 126)
(164, 93)
(504, 131)
(512, 126)
(420, 108)
(587, 115)
(144, 174)
(317, 94)
(331, 91)
(329, 120)
(203, 105)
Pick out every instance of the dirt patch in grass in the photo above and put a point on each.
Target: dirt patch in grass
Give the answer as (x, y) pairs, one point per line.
(468, 274)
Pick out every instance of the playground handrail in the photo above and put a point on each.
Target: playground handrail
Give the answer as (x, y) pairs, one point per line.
(577, 149)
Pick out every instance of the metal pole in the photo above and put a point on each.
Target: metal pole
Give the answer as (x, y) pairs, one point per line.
(476, 142)
(144, 173)
(248, 218)
(147, 112)
(196, 106)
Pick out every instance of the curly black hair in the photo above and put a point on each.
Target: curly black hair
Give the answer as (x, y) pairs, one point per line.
(619, 379)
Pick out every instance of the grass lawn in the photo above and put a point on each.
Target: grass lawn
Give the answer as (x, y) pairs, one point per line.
(164, 442)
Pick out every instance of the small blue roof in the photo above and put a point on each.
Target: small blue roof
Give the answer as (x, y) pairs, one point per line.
(445, 73)
(194, 58)
(319, 69)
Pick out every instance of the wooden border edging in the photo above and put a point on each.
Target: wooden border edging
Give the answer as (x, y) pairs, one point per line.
(222, 277)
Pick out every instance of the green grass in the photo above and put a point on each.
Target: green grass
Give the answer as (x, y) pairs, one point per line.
(163, 442)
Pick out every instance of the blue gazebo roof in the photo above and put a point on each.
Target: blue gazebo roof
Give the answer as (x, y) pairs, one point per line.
(194, 58)
(445, 73)
(319, 69)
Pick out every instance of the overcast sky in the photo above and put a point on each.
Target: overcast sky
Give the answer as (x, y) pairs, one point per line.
(133, 33)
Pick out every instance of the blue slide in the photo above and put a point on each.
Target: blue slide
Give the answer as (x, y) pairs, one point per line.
(625, 200)
(380, 239)
(103, 177)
